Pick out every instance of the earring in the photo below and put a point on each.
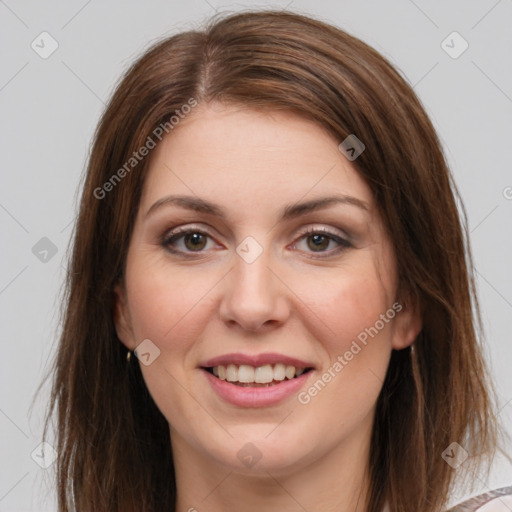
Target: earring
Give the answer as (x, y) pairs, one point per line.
(128, 356)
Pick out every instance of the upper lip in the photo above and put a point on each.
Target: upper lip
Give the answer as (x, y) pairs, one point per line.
(255, 360)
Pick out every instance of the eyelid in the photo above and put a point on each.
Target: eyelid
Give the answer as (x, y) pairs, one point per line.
(336, 232)
(185, 229)
(193, 227)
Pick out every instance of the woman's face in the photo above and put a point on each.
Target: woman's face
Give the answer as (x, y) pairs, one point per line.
(257, 242)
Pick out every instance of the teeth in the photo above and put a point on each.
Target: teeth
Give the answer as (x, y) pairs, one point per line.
(279, 371)
(290, 372)
(232, 373)
(245, 373)
(265, 374)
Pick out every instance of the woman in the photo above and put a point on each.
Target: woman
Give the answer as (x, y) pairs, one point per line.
(270, 292)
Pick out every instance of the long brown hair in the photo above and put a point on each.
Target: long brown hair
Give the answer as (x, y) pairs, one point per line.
(114, 451)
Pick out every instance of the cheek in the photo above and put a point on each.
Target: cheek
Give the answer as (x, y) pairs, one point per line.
(345, 317)
(166, 305)
(344, 305)
(170, 308)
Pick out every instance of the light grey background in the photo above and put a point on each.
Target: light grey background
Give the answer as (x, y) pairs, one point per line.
(50, 107)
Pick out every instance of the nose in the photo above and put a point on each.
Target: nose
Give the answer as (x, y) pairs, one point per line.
(254, 298)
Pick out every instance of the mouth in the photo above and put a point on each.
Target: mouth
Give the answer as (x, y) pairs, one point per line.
(263, 376)
(261, 380)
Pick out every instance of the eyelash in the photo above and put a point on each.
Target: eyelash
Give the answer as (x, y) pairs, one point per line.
(172, 236)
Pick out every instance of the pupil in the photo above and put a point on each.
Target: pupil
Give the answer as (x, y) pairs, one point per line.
(194, 241)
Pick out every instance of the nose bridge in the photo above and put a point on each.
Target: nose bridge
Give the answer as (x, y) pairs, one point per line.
(253, 276)
(253, 295)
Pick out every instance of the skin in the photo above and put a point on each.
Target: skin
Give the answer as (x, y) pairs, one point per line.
(294, 299)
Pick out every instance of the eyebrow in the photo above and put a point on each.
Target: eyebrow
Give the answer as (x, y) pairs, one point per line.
(291, 211)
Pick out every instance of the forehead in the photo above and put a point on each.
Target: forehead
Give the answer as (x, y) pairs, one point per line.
(251, 157)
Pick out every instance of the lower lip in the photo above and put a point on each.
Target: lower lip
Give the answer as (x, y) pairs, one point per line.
(257, 396)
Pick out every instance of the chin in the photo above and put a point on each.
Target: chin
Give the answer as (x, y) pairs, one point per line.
(262, 454)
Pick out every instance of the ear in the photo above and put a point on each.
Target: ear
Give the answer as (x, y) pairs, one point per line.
(408, 324)
(122, 319)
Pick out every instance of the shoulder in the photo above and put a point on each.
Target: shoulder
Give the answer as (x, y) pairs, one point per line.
(498, 500)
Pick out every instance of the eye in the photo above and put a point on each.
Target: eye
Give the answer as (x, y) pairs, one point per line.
(314, 240)
(187, 240)
(321, 240)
